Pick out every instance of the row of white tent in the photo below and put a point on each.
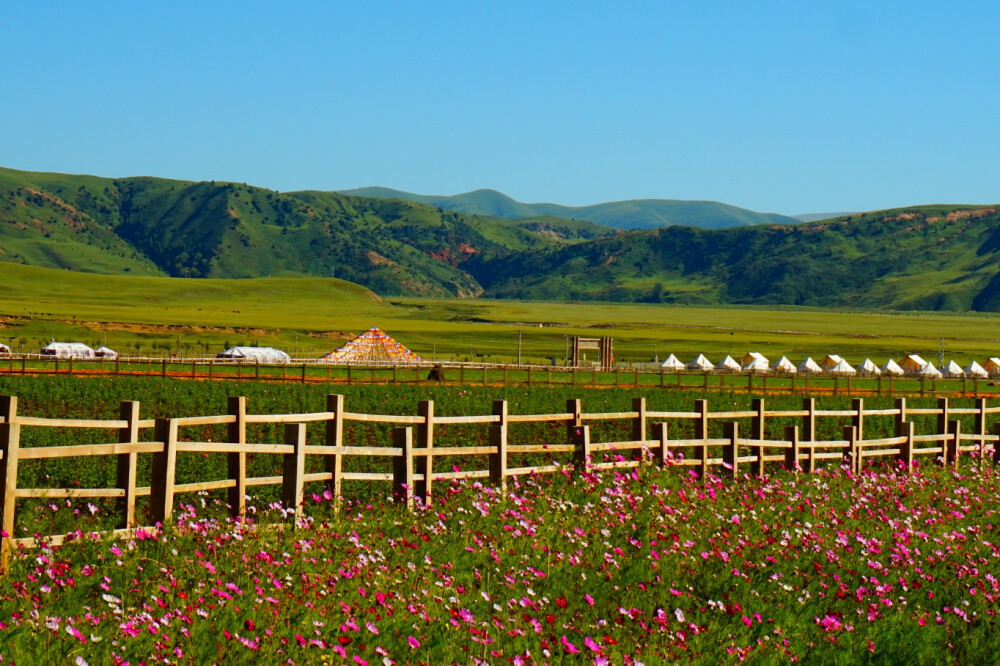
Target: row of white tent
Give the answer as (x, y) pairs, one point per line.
(833, 364)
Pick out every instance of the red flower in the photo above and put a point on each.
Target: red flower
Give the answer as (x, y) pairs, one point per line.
(344, 640)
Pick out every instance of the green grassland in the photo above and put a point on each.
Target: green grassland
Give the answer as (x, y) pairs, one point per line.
(195, 317)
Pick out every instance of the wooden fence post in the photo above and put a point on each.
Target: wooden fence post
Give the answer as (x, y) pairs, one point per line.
(953, 443)
(161, 489)
(792, 453)
(581, 457)
(852, 454)
(660, 435)
(809, 420)
(294, 468)
(236, 462)
(731, 453)
(900, 418)
(498, 440)
(905, 429)
(639, 422)
(996, 444)
(10, 438)
(335, 437)
(701, 432)
(573, 406)
(402, 467)
(128, 462)
(858, 420)
(757, 423)
(981, 428)
(425, 440)
(942, 419)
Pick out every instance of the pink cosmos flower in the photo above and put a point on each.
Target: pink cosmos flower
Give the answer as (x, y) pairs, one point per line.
(414, 643)
(569, 647)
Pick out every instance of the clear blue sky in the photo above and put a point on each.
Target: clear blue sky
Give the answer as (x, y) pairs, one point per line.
(790, 107)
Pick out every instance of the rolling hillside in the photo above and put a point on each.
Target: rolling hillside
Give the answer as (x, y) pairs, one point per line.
(625, 215)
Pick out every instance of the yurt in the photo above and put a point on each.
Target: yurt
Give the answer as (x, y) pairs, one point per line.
(809, 367)
(255, 355)
(373, 347)
(829, 362)
(785, 367)
(892, 368)
(992, 366)
(756, 364)
(728, 364)
(868, 368)
(842, 368)
(672, 363)
(976, 371)
(701, 363)
(953, 370)
(929, 371)
(104, 352)
(67, 350)
(912, 364)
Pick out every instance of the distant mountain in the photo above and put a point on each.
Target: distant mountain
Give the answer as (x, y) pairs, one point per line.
(816, 217)
(625, 215)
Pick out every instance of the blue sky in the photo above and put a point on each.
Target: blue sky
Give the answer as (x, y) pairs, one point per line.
(791, 107)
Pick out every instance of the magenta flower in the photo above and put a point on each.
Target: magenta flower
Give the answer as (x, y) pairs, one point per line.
(414, 643)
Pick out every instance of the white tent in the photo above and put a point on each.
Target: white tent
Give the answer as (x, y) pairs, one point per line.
(929, 372)
(749, 358)
(891, 368)
(976, 371)
(785, 366)
(953, 370)
(869, 368)
(700, 363)
(728, 364)
(672, 363)
(67, 350)
(842, 368)
(758, 364)
(809, 367)
(104, 352)
(829, 362)
(913, 364)
(4, 349)
(255, 354)
(992, 366)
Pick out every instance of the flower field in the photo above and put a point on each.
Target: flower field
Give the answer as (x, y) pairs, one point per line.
(640, 567)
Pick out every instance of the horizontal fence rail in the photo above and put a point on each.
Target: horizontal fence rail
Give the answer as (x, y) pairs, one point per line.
(410, 451)
(633, 376)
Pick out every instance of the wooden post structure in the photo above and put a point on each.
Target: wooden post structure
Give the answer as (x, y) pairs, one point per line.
(792, 453)
(639, 422)
(858, 420)
(905, 429)
(164, 472)
(701, 432)
(731, 453)
(981, 428)
(852, 454)
(660, 435)
(900, 418)
(996, 444)
(757, 423)
(574, 407)
(236, 462)
(809, 420)
(402, 467)
(10, 438)
(425, 440)
(498, 440)
(942, 419)
(581, 457)
(952, 445)
(127, 463)
(335, 437)
(294, 468)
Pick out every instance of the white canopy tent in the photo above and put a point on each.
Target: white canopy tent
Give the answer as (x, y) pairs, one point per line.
(4, 349)
(842, 368)
(829, 362)
(976, 371)
(255, 354)
(869, 368)
(104, 352)
(758, 364)
(913, 364)
(992, 366)
(953, 370)
(892, 368)
(809, 367)
(785, 366)
(929, 372)
(672, 363)
(67, 350)
(700, 363)
(728, 364)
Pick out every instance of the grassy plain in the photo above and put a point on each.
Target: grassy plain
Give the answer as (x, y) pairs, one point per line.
(310, 316)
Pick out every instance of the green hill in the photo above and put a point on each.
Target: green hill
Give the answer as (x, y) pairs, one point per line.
(625, 215)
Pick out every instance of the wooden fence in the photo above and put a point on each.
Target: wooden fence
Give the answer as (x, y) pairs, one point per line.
(412, 450)
(502, 375)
